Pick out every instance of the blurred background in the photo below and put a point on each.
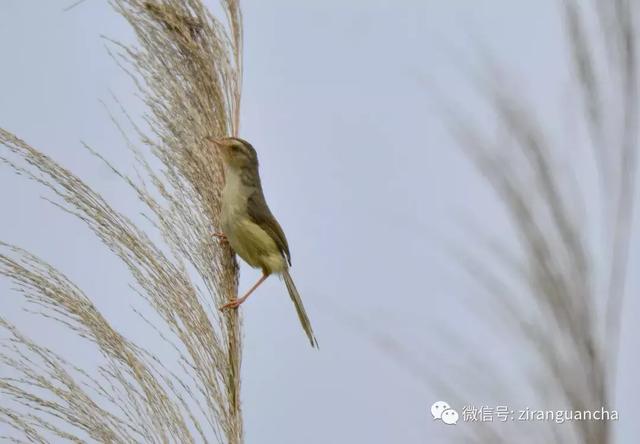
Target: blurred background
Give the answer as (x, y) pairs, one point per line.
(361, 113)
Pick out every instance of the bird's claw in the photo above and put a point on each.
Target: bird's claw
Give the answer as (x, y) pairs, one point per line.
(221, 237)
(231, 305)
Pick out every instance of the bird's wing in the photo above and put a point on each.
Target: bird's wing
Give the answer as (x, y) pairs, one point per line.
(260, 214)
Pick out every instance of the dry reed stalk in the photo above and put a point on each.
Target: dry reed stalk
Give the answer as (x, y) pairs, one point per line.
(187, 66)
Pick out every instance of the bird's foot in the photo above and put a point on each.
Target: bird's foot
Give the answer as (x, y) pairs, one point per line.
(221, 237)
(236, 302)
(233, 304)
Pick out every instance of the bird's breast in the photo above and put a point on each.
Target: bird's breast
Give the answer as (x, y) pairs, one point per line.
(247, 238)
(234, 203)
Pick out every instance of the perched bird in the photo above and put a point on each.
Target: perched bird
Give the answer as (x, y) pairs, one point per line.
(248, 225)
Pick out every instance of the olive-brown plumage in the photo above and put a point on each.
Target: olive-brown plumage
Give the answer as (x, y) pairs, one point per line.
(248, 225)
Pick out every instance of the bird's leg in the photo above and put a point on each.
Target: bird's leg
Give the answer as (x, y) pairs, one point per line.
(236, 303)
(221, 237)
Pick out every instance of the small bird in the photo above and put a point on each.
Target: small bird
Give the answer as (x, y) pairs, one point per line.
(248, 225)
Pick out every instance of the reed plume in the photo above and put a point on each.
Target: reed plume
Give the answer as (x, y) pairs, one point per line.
(561, 290)
(554, 298)
(187, 66)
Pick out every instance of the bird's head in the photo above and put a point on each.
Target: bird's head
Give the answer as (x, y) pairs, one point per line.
(236, 153)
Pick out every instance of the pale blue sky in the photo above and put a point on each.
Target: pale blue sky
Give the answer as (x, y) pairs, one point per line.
(357, 166)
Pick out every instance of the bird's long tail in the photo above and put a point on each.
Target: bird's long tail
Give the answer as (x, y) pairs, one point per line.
(302, 314)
